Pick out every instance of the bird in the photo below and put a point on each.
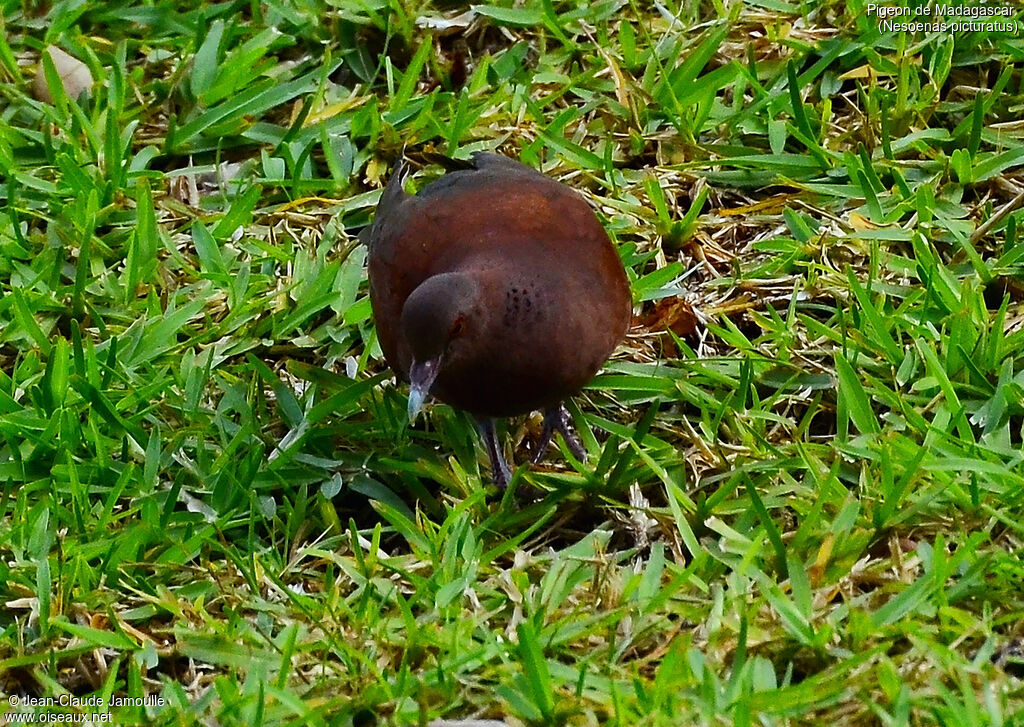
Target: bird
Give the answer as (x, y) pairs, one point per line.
(496, 290)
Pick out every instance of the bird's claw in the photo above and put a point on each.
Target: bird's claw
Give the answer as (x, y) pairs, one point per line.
(557, 419)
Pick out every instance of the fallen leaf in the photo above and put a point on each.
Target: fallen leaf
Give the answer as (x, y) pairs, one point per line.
(74, 75)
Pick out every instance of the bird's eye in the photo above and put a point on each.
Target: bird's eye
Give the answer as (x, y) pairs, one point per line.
(458, 327)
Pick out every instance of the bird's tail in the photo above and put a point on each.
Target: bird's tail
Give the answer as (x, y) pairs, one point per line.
(392, 195)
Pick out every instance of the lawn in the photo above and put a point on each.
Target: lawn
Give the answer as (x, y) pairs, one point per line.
(804, 497)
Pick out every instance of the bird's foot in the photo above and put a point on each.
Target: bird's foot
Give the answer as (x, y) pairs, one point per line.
(557, 419)
(500, 472)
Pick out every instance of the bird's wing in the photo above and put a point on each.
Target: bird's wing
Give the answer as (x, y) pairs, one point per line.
(490, 160)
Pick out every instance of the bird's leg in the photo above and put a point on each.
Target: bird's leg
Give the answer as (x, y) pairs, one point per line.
(556, 419)
(500, 472)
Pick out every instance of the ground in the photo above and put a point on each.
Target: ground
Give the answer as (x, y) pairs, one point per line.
(804, 497)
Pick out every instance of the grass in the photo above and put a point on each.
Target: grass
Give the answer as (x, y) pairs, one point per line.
(805, 491)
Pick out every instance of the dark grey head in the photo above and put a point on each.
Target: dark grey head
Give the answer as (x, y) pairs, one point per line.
(438, 318)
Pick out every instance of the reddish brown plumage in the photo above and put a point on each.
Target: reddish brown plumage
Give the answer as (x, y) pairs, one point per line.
(532, 300)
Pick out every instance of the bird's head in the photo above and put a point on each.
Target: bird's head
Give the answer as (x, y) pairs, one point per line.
(438, 318)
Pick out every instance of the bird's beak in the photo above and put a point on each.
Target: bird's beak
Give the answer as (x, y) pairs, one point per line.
(421, 378)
